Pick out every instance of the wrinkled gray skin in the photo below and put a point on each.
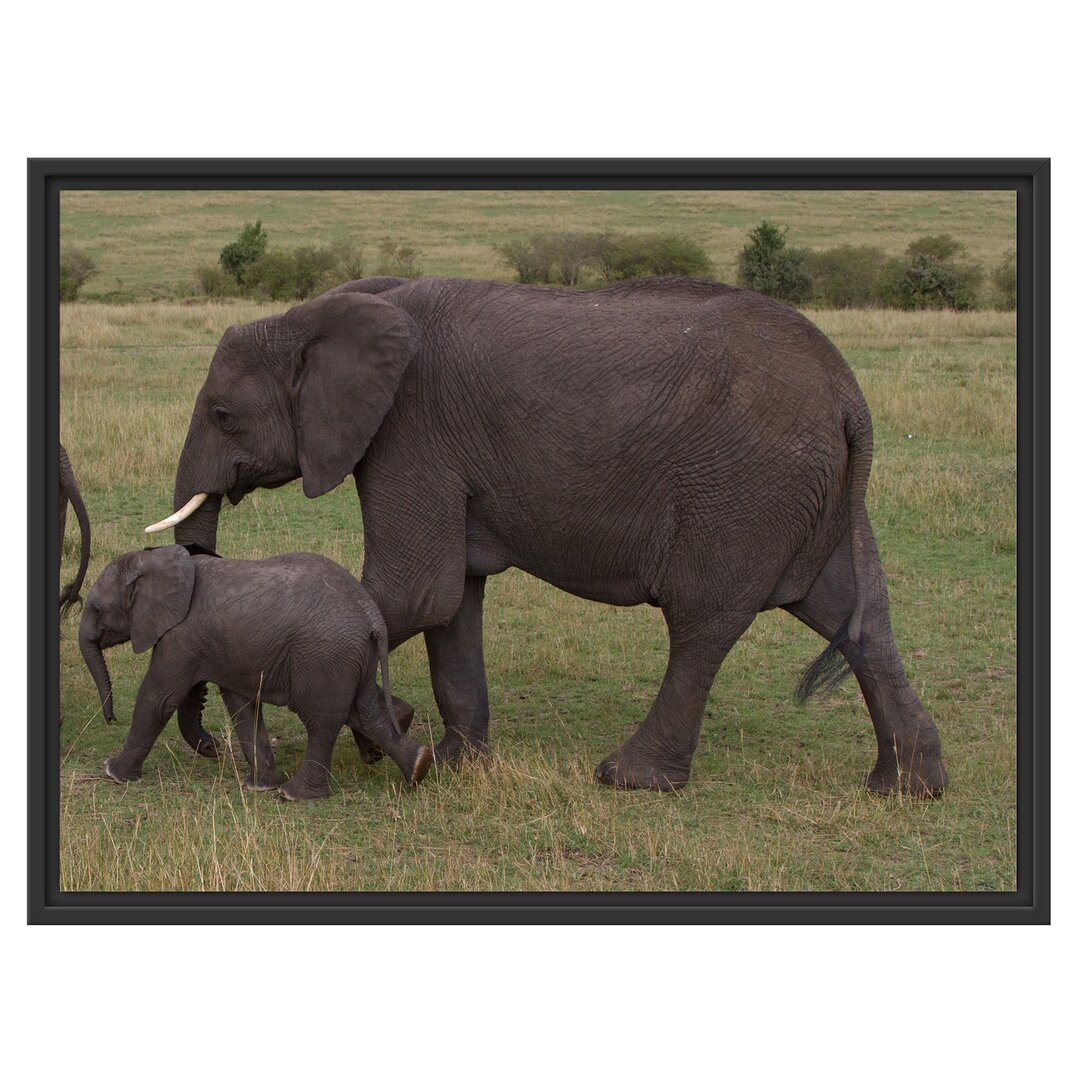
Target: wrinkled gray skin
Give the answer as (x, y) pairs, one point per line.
(69, 492)
(668, 442)
(294, 630)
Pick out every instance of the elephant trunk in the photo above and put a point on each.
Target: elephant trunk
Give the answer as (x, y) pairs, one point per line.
(193, 478)
(94, 657)
(201, 527)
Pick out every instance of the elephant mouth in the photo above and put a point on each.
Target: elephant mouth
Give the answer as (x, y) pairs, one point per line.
(235, 494)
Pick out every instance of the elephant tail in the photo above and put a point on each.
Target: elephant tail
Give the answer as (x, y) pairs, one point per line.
(381, 637)
(860, 436)
(70, 594)
(846, 648)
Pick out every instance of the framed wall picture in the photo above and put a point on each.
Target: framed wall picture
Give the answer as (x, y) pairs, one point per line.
(703, 516)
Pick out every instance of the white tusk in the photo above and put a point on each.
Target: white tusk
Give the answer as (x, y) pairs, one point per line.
(185, 511)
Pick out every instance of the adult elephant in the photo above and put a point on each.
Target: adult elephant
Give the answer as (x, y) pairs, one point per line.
(671, 442)
(69, 492)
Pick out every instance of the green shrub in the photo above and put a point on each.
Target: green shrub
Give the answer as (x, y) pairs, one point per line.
(529, 259)
(1004, 278)
(573, 258)
(214, 282)
(293, 275)
(245, 251)
(569, 255)
(930, 277)
(349, 258)
(76, 266)
(939, 248)
(623, 256)
(769, 266)
(845, 276)
(398, 260)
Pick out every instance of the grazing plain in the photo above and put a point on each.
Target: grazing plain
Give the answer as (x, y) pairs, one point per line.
(776, 799)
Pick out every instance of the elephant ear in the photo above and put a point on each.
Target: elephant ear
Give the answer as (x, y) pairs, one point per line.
(356, 350)
(157, 593)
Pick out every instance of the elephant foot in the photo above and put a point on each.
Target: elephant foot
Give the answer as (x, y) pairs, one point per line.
(424, 758)
(627, 770)
(267, 781)
(921, 776)
(298, 790)
(120, 771)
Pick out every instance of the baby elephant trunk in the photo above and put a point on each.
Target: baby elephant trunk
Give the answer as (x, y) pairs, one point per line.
(90, 646)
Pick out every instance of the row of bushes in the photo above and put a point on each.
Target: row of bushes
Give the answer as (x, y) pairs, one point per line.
(247, 268)
(573, 258)
(933, 273)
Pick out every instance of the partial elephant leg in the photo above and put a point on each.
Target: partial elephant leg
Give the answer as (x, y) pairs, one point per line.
(189, 717)
(155, 703)
(658, 754)
(369, 751)
(254, 742)
(62, 521)
(312, 779)
(909, 751)
(456, 658)
(370, 720)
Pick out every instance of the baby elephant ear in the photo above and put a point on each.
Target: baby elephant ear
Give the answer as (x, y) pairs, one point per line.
(157, 592)
(356, 349)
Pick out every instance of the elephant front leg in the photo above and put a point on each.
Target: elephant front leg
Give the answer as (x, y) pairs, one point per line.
(456, 658)
(254, 742)
(155, 703)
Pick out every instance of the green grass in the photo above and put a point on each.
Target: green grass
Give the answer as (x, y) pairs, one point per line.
(776, 799)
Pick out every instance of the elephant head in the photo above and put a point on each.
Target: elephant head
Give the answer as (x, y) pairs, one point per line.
(298, 394)
(137, 598)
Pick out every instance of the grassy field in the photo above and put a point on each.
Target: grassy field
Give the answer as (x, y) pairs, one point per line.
(150, 244)
(776, 799)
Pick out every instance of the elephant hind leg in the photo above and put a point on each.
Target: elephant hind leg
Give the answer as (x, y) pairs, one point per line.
(909, 750)
(658, 754)
(312, 779)
(371, 752)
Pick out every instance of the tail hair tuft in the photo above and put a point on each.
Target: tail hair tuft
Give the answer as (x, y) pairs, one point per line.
(831, 668)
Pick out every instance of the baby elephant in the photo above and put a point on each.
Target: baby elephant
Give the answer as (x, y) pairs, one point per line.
(295, 630)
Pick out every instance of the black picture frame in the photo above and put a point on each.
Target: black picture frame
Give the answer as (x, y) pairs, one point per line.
(1028, 177)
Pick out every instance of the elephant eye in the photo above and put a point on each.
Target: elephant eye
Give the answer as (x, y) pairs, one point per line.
(223, 417)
